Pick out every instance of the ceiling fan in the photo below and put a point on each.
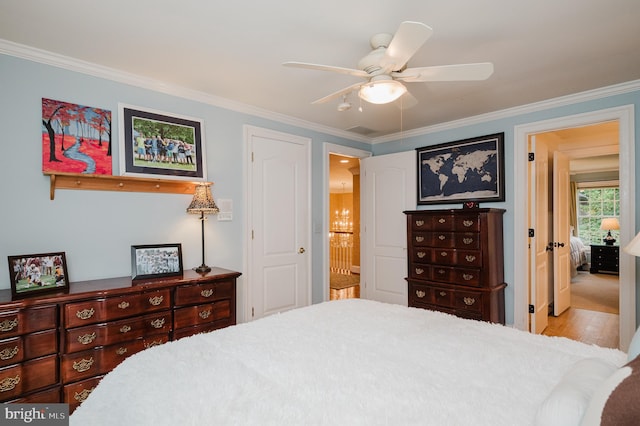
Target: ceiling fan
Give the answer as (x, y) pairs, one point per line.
(385, 67)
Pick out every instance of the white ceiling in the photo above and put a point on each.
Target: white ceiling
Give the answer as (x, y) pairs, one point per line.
(233, 50)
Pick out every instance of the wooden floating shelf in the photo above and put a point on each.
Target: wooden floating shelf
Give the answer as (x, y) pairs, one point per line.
(117, 183)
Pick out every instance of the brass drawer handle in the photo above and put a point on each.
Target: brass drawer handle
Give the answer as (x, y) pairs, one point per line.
(85, 313)
(85, 339)
(82, 395)
(443, 254)
(83, 365)
(421, 254)
(8, 325)
(419, 239)
(157, 323)
(421, 293)
(470, 258)
(467, 240)
(9, 383)
(442, 271)
(442, 237)
(152, 344)
(419, 222)
(442, 220)
(419, 271)
(123, 305)
(207, 292)
(205, 314)
(443, 293)
(156, 300)
(121, 351)
(467, 223)
(467, 277)
(8, 353)
(469, 301)
(125, 328)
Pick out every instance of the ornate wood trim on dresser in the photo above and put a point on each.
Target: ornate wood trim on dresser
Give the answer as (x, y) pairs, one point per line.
(455, 262)
(57, 348)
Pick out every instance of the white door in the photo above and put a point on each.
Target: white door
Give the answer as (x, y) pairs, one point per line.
(279, 222)
(561, 242)
(539, 220)
(389, 189)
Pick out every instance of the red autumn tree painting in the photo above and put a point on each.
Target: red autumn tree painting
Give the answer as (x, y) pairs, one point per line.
(75, 138)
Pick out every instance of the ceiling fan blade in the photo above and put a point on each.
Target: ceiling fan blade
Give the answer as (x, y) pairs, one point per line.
(405, 43)
(406, 101)
(460, 72)
(339, 93)
(340, 70)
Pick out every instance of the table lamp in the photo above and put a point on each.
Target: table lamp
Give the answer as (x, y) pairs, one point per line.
(607, 224)
(202, 204)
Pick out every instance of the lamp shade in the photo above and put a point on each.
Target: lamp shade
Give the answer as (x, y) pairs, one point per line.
(382, 89)
(202, 202)
(633, 247)
(609, 223)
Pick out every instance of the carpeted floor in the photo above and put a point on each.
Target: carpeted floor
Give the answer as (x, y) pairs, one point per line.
(595, 292)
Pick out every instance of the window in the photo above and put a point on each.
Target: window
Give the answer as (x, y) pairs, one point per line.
(594, 204)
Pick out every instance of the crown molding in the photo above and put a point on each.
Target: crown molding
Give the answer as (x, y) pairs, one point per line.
(71, 64)
(575, 98)
(76, 65)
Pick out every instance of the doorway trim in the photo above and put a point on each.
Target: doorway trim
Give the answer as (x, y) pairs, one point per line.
(328, 149)
(624, 115)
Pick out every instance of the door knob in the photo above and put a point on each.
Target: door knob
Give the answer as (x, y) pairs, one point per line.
(301, 250)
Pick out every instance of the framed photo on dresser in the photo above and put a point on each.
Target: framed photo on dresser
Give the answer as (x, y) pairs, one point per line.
(156, 261)
(34, 274)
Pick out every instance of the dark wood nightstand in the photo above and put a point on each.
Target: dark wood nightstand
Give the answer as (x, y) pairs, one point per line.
(605, 259)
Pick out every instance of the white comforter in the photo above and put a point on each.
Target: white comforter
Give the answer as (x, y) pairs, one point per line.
(346, 362)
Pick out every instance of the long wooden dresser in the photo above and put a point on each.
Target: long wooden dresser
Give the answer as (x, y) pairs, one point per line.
(56, 348)
(455, 262)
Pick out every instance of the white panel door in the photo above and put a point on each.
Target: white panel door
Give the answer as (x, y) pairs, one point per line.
(389, 190)
(539, 221)
(561, 242)
(280, 222)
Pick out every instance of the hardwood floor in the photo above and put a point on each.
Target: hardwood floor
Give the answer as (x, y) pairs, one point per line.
(591, 327)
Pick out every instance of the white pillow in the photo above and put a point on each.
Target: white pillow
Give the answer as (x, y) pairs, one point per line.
(569, 399)
(634, 346)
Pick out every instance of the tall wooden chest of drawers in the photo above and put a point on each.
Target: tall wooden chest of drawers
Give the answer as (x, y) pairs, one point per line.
(455, 262)
(56, 348)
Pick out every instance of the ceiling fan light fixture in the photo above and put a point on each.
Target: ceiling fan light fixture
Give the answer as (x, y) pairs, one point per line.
(382, 89)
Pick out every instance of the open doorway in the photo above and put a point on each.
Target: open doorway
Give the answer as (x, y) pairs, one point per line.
(341, 223)
(592, 198)
(344, 224)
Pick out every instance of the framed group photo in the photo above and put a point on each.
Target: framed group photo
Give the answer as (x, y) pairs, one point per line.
(35, 274)
(156, 144)
(469, 170)
(156, 261)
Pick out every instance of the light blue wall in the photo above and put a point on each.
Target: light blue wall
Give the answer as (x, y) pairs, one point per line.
(507, 125)
(96, 229)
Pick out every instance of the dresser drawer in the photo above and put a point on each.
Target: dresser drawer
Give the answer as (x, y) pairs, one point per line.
(29, 346)
(82, 338)
(203, 293)
(76, 393)
(22, 321)
(101, 360)
(468, 301)
(48, 396)
(420, 271)
(110, 308)
(26, 377)
(201, 314)
(205, 328)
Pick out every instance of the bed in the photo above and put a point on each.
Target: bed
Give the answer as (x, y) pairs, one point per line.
(578, 255)
(352, 362)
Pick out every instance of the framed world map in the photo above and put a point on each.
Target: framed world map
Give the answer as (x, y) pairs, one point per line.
(466, 170)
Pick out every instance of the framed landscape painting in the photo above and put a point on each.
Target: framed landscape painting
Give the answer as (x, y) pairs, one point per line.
(462, 171)
(75, 138)
(156, 144)
(34, 274)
